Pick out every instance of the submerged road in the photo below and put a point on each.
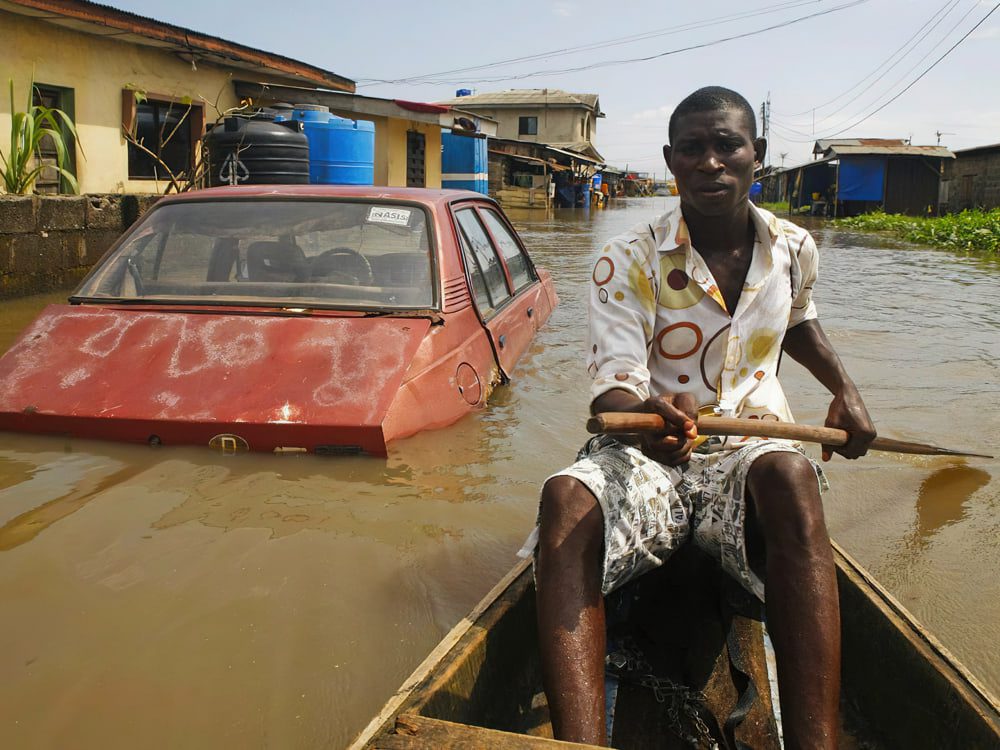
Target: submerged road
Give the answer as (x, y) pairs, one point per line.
(175, 598)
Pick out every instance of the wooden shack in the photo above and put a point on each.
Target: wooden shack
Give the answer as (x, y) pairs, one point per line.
(853, 176)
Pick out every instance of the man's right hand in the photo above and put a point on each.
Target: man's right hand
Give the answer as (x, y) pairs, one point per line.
(673, 446)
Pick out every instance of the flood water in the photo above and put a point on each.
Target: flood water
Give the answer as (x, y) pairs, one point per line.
(176, 598)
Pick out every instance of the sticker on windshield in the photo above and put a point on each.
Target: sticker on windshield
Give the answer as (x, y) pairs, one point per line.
(387, 215)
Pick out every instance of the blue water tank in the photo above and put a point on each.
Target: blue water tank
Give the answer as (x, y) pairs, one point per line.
(464, 164)
(463, 92)
(341, 151)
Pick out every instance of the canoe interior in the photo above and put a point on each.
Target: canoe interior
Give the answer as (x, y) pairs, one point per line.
(483, 687)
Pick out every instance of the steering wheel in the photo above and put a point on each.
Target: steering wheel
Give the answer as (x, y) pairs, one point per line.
(357, 268)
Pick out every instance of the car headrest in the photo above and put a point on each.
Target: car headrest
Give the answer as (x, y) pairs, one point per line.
(274, 260)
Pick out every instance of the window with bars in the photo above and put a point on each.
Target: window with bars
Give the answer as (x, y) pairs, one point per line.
(416, 175)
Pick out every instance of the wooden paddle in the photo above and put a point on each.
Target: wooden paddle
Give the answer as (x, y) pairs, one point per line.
(628, 422)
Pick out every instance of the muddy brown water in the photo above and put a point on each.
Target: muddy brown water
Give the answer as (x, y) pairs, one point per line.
(175, 598)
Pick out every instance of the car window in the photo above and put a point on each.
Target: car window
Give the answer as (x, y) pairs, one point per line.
(514, 257)
(485, 256)
(325, 252)
(479, 293)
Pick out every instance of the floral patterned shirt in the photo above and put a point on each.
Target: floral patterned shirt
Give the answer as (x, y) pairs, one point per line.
(659, 324)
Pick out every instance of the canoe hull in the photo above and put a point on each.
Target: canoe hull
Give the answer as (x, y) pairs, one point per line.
(900, 687)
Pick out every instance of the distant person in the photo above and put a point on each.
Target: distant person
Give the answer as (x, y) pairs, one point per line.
(689, 313)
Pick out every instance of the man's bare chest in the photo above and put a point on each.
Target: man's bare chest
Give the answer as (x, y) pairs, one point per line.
(729, 270)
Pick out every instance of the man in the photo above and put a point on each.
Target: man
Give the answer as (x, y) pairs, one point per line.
(692, 313)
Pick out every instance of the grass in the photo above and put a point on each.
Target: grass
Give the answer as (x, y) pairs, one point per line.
(974, 230)
(781, 207)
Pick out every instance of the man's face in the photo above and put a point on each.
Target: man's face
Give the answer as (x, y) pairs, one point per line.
(712, 157)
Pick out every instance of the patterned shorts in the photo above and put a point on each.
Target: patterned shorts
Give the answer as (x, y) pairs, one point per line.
(651, 509)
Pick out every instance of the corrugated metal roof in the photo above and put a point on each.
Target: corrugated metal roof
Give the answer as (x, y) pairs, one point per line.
(975, 149)
(893, 146)
(105, 21)
(546, 147)
(531, 97)
(585, 148)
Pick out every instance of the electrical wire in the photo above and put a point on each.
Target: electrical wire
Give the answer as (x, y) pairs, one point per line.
(667, 31)
(912, 83)
(899, 80)
(947, 8)
(609, 63)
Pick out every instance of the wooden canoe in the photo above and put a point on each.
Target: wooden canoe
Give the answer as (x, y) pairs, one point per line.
(481, 687)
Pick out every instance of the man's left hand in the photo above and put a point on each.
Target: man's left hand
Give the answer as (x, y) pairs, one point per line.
(847, 412)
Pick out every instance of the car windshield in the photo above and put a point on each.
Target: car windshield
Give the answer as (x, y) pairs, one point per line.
(301, 253)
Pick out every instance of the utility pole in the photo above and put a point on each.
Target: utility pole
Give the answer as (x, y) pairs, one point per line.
(765, 122)
(939, 133)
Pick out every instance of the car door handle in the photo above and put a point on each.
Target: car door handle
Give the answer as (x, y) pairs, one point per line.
(502, 340)
(531, 311)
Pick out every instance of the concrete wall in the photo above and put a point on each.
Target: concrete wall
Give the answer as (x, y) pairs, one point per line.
(98, 69)
(555, 124)
(50, 242)
(973, 181)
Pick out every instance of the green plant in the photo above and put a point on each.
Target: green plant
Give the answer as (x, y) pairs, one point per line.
(22, 164)
(779, 207)
(971, 230)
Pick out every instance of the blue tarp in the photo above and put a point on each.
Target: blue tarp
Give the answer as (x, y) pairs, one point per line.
(861, 179)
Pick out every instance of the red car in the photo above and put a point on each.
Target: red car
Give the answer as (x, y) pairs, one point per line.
(325, 319)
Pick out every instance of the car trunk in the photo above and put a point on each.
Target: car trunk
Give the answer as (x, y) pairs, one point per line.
(257, 380)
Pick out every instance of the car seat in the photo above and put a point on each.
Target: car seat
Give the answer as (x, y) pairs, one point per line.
(274, 260)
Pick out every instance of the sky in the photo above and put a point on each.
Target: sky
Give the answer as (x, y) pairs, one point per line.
(825, 65)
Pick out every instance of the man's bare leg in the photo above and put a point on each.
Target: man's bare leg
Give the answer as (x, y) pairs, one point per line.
(803, 611)
(571, 610)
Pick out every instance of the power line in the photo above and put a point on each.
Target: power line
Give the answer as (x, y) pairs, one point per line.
(945, 8)
(667, 31)
(899, 80)
(927, 70)
(608, 63)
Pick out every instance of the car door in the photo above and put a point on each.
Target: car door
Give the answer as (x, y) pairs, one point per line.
(505, 285)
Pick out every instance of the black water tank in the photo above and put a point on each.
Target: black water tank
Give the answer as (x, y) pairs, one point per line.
(256, 150)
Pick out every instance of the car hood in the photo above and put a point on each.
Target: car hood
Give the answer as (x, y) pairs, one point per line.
(232, 372)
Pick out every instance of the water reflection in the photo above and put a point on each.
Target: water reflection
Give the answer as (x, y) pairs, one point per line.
(49, 489)
(943, 498)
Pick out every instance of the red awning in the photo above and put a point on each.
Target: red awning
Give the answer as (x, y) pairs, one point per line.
(422, 106)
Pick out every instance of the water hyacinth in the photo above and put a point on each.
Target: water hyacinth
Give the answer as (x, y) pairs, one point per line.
(972, 230)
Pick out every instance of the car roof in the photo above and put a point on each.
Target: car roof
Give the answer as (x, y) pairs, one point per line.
(427, 196)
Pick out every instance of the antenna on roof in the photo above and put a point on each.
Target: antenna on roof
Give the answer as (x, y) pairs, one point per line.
(939, 133)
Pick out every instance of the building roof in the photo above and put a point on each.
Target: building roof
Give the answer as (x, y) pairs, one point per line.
(977, 149)
(517, 148)
(445, 116)
(531, 98)
(892, 146)
(192, 46)
(585, 148)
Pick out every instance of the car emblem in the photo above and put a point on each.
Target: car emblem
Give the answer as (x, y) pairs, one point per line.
(229, 445)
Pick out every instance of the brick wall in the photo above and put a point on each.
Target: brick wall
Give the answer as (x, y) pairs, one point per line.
(50, 242)
(974, 181)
